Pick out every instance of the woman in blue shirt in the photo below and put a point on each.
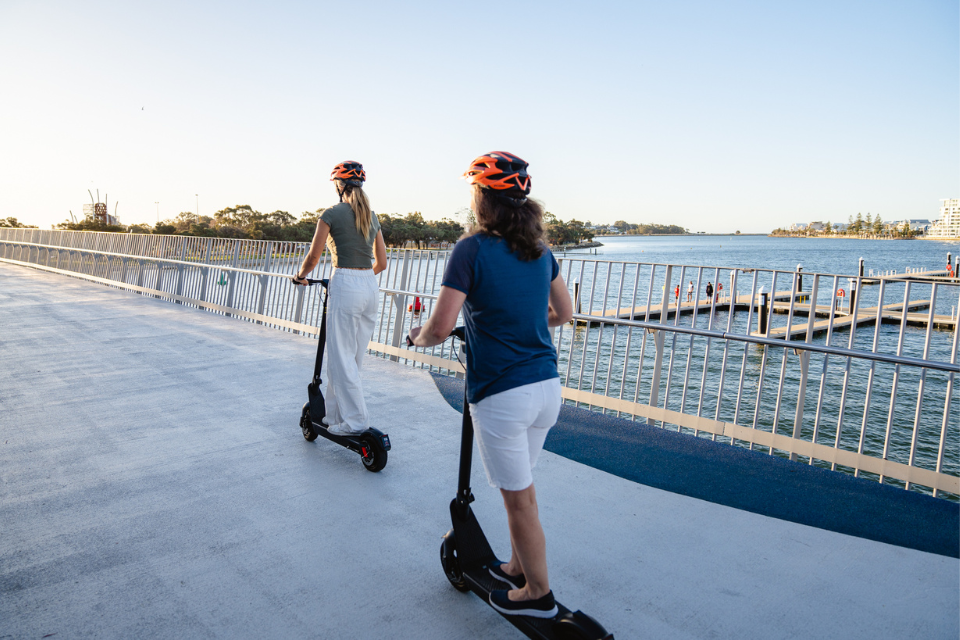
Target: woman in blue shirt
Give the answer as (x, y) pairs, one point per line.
(507, 282)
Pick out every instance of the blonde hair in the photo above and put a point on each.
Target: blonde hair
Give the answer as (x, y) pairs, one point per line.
(357, 199)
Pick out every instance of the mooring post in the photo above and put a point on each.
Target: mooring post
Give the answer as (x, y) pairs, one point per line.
(763, 313)
(576, 296)
(854, 287)
(800, 278)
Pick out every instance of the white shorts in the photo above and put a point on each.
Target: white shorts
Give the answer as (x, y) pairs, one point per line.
(511, 427)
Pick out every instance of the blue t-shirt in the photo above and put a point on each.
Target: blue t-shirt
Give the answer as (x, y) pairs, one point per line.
(508, 341)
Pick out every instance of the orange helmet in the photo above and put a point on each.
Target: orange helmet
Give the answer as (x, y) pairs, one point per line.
(501, 171)
(350, 172)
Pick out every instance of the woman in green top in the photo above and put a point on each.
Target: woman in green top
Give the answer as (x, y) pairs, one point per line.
(352, 232)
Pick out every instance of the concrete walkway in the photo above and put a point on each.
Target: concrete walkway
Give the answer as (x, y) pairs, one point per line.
(154, 483)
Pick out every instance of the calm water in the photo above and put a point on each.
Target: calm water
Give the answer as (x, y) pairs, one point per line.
(816, 255)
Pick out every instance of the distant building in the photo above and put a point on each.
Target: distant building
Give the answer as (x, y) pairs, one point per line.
(816, 226)
(838, 227)
(913, 224)
(948, 226)
(99, 212)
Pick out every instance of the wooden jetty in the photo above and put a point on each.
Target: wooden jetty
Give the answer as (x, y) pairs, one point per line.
(743, 302)
(890, 313)
(842, 319)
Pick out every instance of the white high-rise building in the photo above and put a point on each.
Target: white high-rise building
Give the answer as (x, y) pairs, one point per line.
(948, 226)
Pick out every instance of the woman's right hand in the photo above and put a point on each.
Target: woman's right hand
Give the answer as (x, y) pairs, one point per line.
(300, 281)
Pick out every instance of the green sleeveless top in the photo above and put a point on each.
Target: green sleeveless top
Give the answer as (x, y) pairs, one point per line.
(350, 250)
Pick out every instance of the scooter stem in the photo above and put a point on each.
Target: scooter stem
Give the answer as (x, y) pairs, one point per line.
(464, 494)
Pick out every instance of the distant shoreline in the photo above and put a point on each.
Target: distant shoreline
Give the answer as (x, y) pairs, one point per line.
(574, 247)
(675, 235)
(834, 237)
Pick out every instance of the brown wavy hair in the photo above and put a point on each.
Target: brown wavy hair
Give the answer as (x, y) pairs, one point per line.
(357, 199)
(520, 226)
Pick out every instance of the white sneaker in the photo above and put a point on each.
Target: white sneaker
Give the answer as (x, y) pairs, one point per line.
(342, 430)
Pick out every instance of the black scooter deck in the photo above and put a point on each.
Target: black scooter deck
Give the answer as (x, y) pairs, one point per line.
(354, 442)
(475, 558)
(482, 583)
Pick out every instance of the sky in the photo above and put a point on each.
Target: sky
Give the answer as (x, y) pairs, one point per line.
(713, 116)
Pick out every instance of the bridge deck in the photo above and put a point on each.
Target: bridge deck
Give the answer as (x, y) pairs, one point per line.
(154, 484)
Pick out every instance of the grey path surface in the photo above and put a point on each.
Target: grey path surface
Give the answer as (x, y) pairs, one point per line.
(154, 483)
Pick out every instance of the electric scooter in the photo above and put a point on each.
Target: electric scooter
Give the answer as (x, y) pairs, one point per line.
(466, 555)
(372, 444)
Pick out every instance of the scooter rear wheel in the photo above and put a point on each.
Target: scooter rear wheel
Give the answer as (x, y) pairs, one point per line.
(451, 563)
(306, 425)
(376, 458)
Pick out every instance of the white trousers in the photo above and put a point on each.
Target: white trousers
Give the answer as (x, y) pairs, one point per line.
(511, 427)
(351, 316)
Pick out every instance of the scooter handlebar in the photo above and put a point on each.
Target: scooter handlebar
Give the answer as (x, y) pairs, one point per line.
(458, 332)
(313, 281)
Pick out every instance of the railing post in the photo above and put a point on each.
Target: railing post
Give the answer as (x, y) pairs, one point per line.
(231, 288)
(263, 295)
(400, 301)
(659, 343)
(232, 284)
(159, 286)
(179, 281)
(805, 365)
(299, 307)
(203, 281)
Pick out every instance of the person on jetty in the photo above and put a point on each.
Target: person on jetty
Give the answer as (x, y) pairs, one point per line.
(352, 232)
(508, 283)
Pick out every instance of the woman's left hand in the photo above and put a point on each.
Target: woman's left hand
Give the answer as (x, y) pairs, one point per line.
(412, 336)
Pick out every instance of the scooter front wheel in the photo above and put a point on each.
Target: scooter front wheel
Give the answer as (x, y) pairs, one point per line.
(579, 626)
(451, 562)
(373, 455)
(306, 425)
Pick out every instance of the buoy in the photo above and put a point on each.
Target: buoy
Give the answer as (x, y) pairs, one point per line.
(416, 306)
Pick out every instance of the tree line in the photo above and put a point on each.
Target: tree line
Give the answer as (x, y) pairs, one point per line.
(244, 222)
(559, 232)
(649, 229)
(13, 223)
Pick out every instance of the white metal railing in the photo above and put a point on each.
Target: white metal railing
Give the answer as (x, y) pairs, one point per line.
(867, 388)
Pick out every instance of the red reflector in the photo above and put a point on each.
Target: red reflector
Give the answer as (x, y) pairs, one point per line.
(363, 450)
